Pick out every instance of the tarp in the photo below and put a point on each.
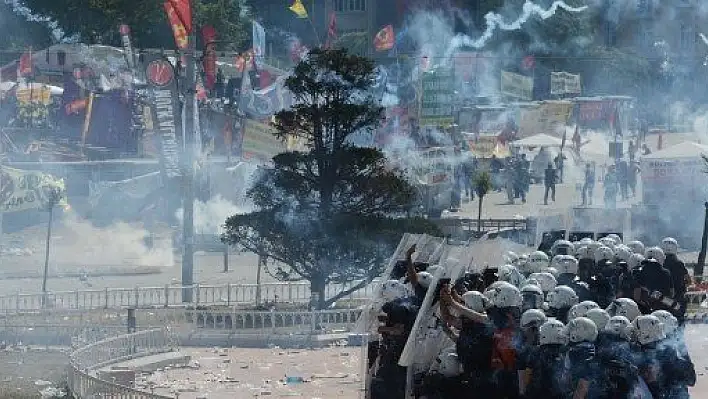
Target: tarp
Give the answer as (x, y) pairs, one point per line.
(687, 149)
(21, 190)
(548, 117)
(539, 140)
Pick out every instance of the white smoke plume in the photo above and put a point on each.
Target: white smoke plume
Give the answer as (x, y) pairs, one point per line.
(209, 216)
(496, 22)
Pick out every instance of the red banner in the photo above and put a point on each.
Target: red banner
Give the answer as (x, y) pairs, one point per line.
(25, 67)
(209, 36)
(183, 9)
(385, 39)
(178, 29)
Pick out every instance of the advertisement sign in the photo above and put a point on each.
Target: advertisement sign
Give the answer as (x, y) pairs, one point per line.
(565, 83)
(436, 105)
(260, 142)
(516, 86)
(486, 146)
(21, 190)
(548, 118)
(664, 178)
(162, 91)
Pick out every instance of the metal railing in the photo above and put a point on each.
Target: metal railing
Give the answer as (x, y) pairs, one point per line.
(171, 296)
(85, 361)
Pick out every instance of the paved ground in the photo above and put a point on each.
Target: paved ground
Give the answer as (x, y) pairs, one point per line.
(21, 375)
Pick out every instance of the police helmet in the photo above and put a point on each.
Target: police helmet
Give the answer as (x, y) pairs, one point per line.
(599, 316)
(533, 318)
(636, 246)
(581, 329)
(647, 329)
(476, 301)
(670, 246)
(562, 297)
(655, 253)
(552, 332)
(504, 295)
(624, 307)
(619, 326)
(668, 320)
(581, 309)
(546, 281)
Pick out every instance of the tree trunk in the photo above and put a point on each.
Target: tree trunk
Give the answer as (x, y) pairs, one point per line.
(317, 290)
(479, 214)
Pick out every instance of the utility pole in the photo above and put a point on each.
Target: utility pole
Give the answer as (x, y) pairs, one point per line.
(188, 177)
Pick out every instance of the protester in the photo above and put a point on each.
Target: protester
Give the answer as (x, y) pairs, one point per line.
(549, 180)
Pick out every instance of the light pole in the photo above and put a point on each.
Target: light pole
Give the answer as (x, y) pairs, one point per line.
(188, 178)
(53, 197)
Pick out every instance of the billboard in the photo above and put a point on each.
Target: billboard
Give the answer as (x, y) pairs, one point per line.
(516, 86)
(437, 92)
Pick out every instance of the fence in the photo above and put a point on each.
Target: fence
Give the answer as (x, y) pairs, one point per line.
(85, 361)
(171, 296)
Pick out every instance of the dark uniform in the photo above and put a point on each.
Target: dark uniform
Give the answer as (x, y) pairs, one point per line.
(474, 349)
(662, 369)
(390, 379)
(614, 356)
(549, 377)
(583, 365)
(653, 277)
(678, 276)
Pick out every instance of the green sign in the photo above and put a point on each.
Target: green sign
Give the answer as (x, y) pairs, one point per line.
(437, 98)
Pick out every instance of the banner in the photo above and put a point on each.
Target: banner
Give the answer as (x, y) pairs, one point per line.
(260, 142)
(486, 146)
(209, 37)
(259, 43)
(565, 83)
(35, 95)
(162, 91)
(183, 9)
(437, 92)
(22, 190)
(262, 104)
(178, 28)
(548, 118)
(516, 86)
(127, 45)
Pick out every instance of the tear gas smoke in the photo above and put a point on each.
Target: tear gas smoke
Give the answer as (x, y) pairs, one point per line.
(496, 22)
(77, 245)
(209, 216)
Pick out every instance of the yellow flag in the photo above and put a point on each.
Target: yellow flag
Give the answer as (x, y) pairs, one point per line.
(299, 9)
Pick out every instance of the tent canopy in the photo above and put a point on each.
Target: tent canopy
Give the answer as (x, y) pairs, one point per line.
(7, 86)
(687, 149)
(538, 140)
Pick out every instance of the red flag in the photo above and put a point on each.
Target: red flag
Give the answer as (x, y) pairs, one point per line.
(183, 9)
(209, 37)
(385, 39)
(178, 29)
(528, 63)
(331, 30)
(25, 66)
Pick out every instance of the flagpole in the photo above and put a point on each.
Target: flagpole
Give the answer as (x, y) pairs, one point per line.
(317, 36)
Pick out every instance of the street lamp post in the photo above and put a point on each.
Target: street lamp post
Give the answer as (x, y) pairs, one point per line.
(53, 198)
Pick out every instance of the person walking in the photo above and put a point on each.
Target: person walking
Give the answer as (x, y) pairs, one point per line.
(549, 180)
(611, 187)
(623, 179)
(633, 175)
(589, 185)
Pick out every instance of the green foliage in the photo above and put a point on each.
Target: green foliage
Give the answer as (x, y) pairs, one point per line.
(482, 183)
(18, 34)
(96, 21)
(334, 213)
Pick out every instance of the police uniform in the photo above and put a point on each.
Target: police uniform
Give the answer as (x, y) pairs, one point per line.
(549, 377)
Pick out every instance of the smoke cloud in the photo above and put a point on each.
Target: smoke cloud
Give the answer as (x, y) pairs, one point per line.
(209, 216)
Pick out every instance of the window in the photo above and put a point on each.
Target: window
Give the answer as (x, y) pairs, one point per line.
(349, 5)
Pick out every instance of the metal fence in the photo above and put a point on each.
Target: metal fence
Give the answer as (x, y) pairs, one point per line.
(171, 296)
(85, 361)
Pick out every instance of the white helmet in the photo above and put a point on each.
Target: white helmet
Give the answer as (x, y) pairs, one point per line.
(636, 246)
(393, 289)
(449, 363)
(521, 262)
(424, 279)
(648, 329)
(668, 320)
(585, 241)
(635, 261)
(617, 239)
(581, 309)
(562, 297)
(511, 257)
(434, 269)
(655, 253)
(593, 246)
(603, 253)
(538, 261)
(565, 264)
(624, 307)
(598, 316)
(670, 246)
(623, 253)
(584, 252)
(562, 247)
(511, 275)
(504, 295)
(552, 332)
(533, 317)
(476, 301)
(553, 271)
(546, 281)
(608, 242)
(535, 292)
(581, 329)
(619, 326)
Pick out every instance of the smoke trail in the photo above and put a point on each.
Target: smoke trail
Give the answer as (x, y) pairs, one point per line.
(495, 21)
(704, 38)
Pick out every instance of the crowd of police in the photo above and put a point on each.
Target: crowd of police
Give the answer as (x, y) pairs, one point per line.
(587, 319)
